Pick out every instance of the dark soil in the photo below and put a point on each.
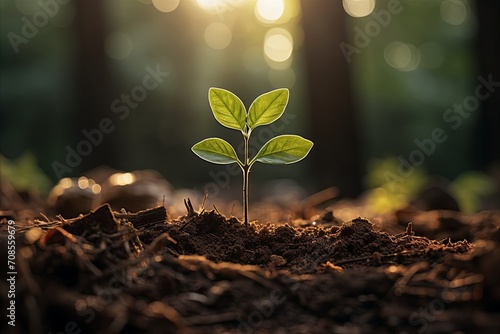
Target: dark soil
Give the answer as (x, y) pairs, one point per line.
(110, 272)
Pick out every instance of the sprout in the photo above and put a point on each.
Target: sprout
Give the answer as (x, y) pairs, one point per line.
(229, 111)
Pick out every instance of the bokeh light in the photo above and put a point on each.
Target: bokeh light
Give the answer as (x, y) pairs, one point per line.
(166, 6)
(83, 182)
(218, 36)
(359, 8)
(279, 65)
(402, 56)
(118, 45)
(66, 183)
(96, 188)
(453, 12)
(268, 11)
(122, 179)
(278, 45)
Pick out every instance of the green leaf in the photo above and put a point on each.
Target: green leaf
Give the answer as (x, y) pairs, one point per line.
(227, 108)
(267, 108)
(216, 150)
(282, 150)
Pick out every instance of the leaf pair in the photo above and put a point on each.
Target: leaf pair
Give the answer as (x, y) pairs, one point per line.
(281, 150)
(230, 111)
(267, 108)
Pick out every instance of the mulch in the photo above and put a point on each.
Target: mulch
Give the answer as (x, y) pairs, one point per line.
(145, 272)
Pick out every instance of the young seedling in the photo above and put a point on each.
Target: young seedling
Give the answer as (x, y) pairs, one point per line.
(229, 111)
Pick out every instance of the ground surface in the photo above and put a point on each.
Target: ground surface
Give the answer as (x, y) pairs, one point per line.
(116, 272)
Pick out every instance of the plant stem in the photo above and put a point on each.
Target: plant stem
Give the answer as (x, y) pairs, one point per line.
(246, 171)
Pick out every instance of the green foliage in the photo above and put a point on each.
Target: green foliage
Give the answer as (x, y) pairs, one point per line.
(470, 187)
(24, 174)
(388, 194)
(216, 150)
(227, 108)
(229, 111)
(285, 149)
(267, 108)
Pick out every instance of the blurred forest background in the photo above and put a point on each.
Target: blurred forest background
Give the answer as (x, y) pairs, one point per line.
(367, 78)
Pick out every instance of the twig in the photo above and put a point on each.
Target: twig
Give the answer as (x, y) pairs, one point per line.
(409, 229)
(189, 208)
(44, 216)
(202, 206)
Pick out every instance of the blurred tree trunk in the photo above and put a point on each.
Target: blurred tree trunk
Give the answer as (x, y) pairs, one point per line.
(488, 49)
(93, 88)
(336, 151)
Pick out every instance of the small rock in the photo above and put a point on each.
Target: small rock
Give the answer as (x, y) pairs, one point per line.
(71, 197)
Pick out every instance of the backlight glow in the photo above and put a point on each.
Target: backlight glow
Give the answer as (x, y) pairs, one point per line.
(268, 11)
(278, 45)
(359, 8)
